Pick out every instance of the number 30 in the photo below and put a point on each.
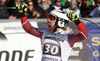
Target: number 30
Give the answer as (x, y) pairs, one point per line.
(52, 49)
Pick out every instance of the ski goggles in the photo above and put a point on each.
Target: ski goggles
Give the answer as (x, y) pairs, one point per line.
(51, 18)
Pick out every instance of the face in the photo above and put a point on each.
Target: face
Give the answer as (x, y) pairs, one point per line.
(51, 22)
(30, 5)
(38, 1)
(73, 5)
(58, 3)
(44, 2)
(51, 26)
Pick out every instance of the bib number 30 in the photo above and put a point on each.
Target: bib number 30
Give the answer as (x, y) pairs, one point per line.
(52, 49)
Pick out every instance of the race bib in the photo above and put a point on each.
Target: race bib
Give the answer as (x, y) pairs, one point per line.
(52, 49)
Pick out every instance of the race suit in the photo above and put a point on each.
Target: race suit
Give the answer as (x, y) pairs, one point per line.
(56, 46)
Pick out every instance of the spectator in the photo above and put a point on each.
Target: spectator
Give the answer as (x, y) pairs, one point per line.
(32, 13)
(86, 8)
(31, 8)
(79, 3)
(58, 5)
(73, 8)
(3, 12)
(96, 12)
(43, 8)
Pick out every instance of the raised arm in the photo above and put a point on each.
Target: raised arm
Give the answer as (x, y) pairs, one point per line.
(83, 33)
(22, 8)
(29, 29)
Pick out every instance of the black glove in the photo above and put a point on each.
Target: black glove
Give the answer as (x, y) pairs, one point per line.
(73, 17)
(22, 8)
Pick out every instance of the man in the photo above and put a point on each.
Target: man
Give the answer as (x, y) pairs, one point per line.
(43, 8)
(57, 41)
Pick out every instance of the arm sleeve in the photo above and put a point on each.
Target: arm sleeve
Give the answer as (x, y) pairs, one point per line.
(29, 29)
(83, 34)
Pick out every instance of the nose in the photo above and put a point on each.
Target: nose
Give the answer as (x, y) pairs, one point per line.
(48, 21)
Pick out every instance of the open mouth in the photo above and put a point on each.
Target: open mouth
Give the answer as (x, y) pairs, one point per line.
(49, 26)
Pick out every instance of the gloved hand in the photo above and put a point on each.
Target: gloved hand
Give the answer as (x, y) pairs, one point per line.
(73, 17)
(22, 8)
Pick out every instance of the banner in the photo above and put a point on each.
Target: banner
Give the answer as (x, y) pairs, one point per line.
(16, 44)
(94, 41)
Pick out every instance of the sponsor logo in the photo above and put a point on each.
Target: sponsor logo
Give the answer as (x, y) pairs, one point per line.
(12, 57)
(52, 38)
(49, 59)
(12, 28)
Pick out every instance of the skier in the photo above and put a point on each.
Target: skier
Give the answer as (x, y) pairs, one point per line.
(57, 41)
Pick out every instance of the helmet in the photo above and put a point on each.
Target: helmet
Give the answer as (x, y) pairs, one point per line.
(58, 16)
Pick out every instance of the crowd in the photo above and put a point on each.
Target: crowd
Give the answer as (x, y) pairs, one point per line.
(40, 8)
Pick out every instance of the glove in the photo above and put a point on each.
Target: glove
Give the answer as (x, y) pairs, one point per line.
(73, 17)
(22, 8)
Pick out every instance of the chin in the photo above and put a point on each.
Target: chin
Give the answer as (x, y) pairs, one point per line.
(50, 29)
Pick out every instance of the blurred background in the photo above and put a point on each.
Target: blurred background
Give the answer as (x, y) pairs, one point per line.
(40, 8)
